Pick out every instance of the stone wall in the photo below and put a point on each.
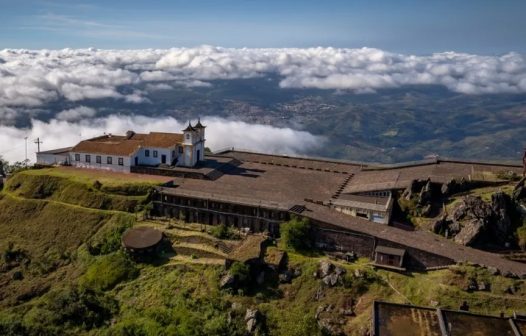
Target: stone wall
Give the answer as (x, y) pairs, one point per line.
(331, 238)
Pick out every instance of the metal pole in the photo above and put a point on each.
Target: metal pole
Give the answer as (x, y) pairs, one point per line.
(26, 147)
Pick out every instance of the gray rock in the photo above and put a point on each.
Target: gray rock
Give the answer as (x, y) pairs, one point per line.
(426, 210)
(326, 268)
(332, 279)
(297, 272)
(285, 277)
(319, 294)
(493, 270)
(426, 194)
(252, 319)
(483, 286)
(339, 271)
(330, 327)
(227, 281)
(470, 232)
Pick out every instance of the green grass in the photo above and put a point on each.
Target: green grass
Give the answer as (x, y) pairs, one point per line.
(107, 179)
(29, 185)
(76, 272)
(107, 271)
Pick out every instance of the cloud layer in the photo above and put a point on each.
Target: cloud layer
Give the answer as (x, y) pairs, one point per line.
(33, 78)
(221, 133)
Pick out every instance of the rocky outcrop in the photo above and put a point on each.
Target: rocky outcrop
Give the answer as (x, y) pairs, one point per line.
(454, 186)
(330, 321)
(252, 319)
(474, 220)
(330, 274)
(472, 230)
(519, 192)
(421, 197)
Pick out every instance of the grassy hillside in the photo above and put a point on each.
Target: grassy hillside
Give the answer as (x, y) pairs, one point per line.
(36, 184)
(62, 273)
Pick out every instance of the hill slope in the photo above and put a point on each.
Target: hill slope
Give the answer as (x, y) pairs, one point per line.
(62, 273)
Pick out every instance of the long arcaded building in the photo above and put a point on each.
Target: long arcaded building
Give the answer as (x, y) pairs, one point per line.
(349, 203)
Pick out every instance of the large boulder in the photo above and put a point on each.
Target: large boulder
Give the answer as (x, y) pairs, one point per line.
(454, 187)
(472, 230)
(330, 274)
(252, 319)
(326, 267)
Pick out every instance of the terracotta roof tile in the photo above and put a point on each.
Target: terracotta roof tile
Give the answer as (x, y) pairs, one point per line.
(120, 145)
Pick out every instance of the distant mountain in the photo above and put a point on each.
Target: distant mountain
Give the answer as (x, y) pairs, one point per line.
(388, 125)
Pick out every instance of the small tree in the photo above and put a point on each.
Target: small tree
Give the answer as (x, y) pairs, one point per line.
(296, 234)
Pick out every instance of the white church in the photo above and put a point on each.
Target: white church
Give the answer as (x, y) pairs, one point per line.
(121, 152)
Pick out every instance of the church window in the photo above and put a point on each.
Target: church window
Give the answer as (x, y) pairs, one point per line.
(88, 158)
(121, 161)
(155, 154)
(147, 153)
(181, 150)
(98, 159)
(109, 160)
(77, 157)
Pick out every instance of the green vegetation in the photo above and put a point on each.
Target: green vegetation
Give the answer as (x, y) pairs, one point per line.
(223, 231)
(31, 185)
(240, 271)
(107, 271)
(75, 281)
(296, 234)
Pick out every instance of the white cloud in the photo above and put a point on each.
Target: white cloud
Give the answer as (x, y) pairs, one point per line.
(34, 78)
(77, 113)
(221, 133)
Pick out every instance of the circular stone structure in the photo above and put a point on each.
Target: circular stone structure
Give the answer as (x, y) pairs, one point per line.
(141, 239)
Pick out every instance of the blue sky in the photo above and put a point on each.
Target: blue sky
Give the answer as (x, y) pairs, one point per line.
(407, 26)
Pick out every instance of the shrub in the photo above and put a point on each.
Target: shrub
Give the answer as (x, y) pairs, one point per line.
(71, 306)
(223, 231)
(240, 271)
(108, 239)
(296, 234)
(107, 271)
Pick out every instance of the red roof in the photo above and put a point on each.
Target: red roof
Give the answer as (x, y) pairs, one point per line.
(122, 145)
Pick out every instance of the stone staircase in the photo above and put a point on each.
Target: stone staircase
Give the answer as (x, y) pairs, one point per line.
(342, 186)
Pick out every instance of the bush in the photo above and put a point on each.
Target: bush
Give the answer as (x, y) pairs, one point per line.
(108, 239)
(107, 271)
(240, 272)
(296, 234)
(71, 306)
(223, 231)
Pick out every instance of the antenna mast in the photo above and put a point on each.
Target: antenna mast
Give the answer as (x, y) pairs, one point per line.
(38, 142)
